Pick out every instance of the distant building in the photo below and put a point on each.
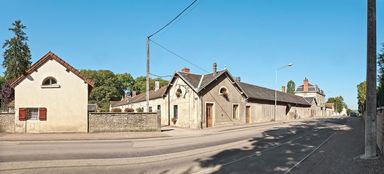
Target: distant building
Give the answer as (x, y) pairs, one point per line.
(217, 98)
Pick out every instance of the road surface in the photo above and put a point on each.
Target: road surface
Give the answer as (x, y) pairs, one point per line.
(270, 148)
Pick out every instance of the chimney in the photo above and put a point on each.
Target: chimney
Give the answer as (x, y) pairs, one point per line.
(305, 86)
(157, 85)
(214, 69)
(133, 93)
(283, 88)
(185, 70)
(237, 79)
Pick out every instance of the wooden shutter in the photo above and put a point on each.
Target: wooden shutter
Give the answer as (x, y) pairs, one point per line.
(22, 114)
(42, 114)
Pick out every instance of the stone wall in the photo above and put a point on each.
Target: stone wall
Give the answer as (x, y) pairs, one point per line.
(7, 122)
(123, 122)
(379, 127)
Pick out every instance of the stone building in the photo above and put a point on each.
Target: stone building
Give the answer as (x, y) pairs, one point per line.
(217, 98)
(314, 95)
(51, 96)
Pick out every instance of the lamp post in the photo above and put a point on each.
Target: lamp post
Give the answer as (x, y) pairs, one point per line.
(278, 69)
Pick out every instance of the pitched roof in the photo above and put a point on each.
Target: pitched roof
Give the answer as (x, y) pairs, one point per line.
(261, 93)
(41, 62)
(199, 82)
(141, 97)
(310, 99)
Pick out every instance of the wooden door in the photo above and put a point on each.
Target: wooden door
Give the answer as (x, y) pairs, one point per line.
(209, 114)
(248, 114)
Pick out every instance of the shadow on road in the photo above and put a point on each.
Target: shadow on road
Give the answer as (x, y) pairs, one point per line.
(276, 151)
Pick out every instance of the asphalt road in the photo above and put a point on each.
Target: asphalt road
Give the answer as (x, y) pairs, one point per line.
(275, 148)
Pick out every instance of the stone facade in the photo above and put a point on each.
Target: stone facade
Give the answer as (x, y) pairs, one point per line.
(7, 122)
(123, 122)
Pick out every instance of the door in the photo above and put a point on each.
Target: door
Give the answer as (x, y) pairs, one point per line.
(248, 114)
(209, 114)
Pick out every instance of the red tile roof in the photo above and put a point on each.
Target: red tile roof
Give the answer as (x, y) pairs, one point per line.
(45, 58)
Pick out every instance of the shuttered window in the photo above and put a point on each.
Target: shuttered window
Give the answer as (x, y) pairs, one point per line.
(42, 114)
(22, 114)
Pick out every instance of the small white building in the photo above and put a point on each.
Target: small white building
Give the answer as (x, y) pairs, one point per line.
(51, 96)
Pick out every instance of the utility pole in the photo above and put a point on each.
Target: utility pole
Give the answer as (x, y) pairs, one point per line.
(147, 78)
(370, 120)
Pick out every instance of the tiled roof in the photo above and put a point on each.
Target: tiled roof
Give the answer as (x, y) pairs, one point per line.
(261, 93)
(311, 88)
(310, 99)
(194, 79)
(141, 97)
(45, 58)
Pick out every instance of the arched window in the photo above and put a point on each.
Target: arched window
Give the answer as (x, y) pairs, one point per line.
(223, 91)
(50, 82)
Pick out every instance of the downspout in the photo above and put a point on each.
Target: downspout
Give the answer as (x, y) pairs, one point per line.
(202, 112)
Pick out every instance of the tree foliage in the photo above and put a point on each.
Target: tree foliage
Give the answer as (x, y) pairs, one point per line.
(361, 96)
(107, 87)
(291, 87)
(380, 89)
(140, 81)
(126, 80)
(338, 103)
(17, 56)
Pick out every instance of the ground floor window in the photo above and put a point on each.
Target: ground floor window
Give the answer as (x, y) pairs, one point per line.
(175, 112)
(235, 111)
(150, 109)
(32, 113)
(158, 108)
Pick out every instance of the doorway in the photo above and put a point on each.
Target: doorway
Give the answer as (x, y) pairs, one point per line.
(209, 114)
(248, 114)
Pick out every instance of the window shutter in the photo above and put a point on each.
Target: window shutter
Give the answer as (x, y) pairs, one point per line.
(42, 114)
(22, 114)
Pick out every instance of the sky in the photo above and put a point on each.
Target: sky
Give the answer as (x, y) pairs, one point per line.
(324, 39)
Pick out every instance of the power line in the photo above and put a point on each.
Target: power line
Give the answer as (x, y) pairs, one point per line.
(173, 19)
(160, 75)
(177, 55)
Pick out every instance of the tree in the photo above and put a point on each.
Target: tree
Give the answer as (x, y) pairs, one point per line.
(380, 89)
(7, 95)
(338, 103)
(140, 83)
(361, 96)
(291, 87)
(17, 56)
(126, 80)
(107, 87)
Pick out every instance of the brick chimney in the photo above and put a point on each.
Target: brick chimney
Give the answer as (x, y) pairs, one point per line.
(283, 88)
(157, 85)
(305, 85)
(185, 70)
(214, 69)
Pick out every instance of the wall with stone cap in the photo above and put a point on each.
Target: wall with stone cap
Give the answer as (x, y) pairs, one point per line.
(123, 122)
(380, 127)
(7, 122)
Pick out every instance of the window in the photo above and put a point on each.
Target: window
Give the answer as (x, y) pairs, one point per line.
(158, 108)
(235, 111)
(175, 111)
(150, 109)
(32, 114)
(178, 93)
(50, 82)
(223, 91)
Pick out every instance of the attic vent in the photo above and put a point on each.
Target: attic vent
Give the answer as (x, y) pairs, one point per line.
(178, 92)
(223, 91)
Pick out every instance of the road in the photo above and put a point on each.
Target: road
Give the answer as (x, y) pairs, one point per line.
(270, 148)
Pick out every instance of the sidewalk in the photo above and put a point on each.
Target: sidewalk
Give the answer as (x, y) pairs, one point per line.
(166, 131)
(341, 154)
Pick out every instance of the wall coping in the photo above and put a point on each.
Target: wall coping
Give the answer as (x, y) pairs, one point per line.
(4, 113)
(133, 113)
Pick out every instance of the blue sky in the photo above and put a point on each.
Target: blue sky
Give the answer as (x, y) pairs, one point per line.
(324, 39)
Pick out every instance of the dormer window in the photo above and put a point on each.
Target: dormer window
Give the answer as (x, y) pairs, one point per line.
(50, 82)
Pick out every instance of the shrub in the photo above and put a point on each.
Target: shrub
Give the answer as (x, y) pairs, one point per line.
(116, 110)
(129, 110)
(139, 109)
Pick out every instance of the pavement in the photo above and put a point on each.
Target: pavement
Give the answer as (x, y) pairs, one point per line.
(306, 146)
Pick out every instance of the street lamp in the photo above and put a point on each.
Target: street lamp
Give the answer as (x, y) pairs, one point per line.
(278, 69)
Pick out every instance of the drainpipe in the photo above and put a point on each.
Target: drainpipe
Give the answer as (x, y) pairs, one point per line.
(202, 112)
(169, 110)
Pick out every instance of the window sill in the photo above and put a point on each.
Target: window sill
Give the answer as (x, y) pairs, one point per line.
(50, 86)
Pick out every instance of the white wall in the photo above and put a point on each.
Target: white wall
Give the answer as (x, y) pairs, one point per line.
(66, 105)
